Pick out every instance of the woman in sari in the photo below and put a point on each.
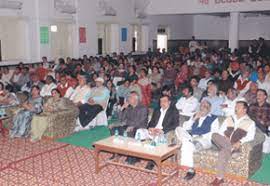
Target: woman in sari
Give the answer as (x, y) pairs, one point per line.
(155, 77)
(8, 97)
(145, 85)
(54, 104)
(182, 76)
(112, 100)
(22, 120)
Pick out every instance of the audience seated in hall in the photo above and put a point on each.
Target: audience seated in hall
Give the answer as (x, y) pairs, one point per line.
(132, 90)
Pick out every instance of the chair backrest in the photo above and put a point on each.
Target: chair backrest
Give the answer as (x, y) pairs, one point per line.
(107, 103)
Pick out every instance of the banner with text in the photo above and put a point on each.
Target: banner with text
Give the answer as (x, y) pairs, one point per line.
(157, 7)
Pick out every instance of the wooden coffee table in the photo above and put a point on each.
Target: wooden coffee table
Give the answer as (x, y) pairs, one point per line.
(130, 147)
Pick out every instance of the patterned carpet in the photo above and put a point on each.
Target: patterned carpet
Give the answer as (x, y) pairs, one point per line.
(51, 163)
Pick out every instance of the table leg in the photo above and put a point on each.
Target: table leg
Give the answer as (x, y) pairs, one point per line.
(97, 152)
(2, 129)
(159, 175)
(117, 157)
(176, 164)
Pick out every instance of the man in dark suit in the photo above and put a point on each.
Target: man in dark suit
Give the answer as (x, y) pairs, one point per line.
(164, 121)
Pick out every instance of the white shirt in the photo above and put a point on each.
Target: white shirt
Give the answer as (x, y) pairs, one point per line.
(187, 125)
(250, 131)
(193, 45)
(264, 85)
(230, 109)
(16, 77)
(6, 78)
(187, 106)
(47, 89)
(80, 93)
(203, 83)
(69, 92)
(161, 118)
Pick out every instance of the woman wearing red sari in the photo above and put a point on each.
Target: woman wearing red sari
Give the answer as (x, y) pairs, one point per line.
(145, 84)
(182, 76)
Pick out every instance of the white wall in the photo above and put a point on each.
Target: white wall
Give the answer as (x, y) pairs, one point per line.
(254, 27)
(38, 13)
(211, 27)
(13, 38)
(214, 27)
(208, 27)
(179, 26)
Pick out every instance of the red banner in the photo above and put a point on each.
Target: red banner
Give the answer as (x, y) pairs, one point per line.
(82, 34)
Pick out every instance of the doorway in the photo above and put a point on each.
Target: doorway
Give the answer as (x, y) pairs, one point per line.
(100, 41)
(162, 42)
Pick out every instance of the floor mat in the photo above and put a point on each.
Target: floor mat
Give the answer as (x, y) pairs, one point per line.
(86, 138)
(262, 175)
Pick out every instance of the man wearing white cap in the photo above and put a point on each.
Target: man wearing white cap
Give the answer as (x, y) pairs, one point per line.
(97, 101)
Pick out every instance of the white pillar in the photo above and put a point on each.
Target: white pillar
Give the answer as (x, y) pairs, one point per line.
(115, 38)
(234, 30)
(145, 38)
(27, 41)
(75, 34)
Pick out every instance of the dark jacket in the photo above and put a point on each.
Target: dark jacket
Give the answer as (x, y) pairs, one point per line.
(135, 117)
(170, 121)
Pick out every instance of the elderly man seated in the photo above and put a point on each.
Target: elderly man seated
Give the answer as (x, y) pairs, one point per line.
(235, 131)
(195, 135)
(97, 101)
(132, 116)
(82, 90)
(214, 99)
(230, 102)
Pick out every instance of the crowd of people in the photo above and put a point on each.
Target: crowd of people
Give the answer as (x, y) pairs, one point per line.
(185, 94)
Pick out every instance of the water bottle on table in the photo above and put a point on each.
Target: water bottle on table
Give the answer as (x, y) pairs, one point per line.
(138, 137)
(125, 134)
(116, 133)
